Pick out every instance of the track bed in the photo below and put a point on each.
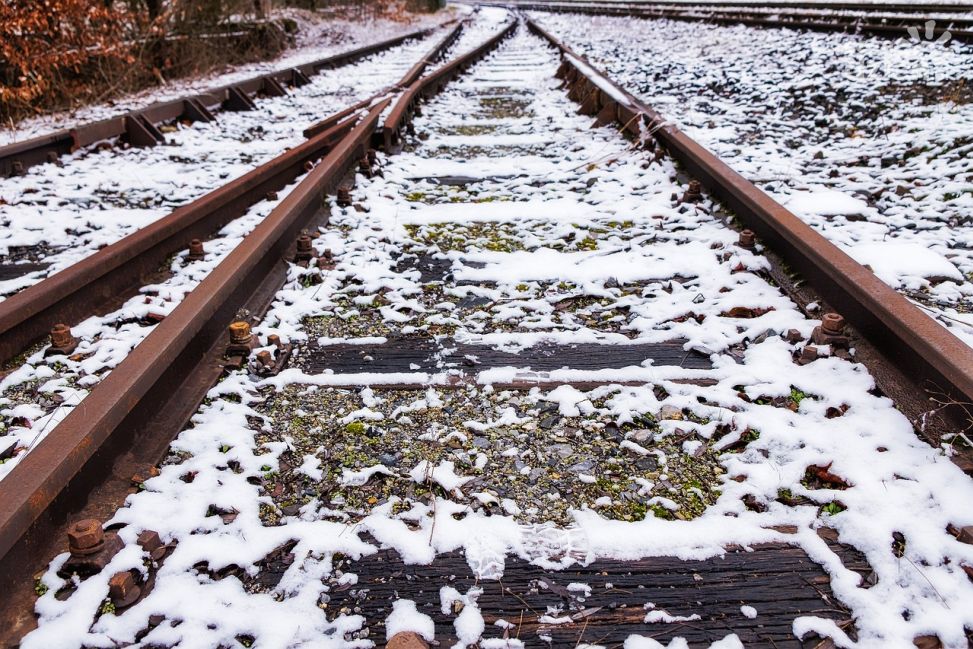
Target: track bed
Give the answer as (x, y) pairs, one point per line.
(539, 394)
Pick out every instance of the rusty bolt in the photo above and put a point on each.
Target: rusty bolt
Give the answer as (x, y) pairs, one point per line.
(122, 589)
(271, 196)
(747, 239)
(372, 156)
(833, 324)
(694, 193)
(344, 197)
(308, 166)
(17, 168)
(265, 359)
(364, 165)
(61, 336)
(304, 244)
(196, 251)
(274, 341)
(151, 542)
(809, 353)
(52, 157)
(86, 537)
(240, 333)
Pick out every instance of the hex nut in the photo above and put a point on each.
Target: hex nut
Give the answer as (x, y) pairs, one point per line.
(151, 542)
(122, 589)
(833, 323)
(86, 537)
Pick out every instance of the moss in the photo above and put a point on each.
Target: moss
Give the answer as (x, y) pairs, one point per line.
(587, 244)
(107, 608)
(661, 512)
(40, 588)
(833, 508)
(355, 428)
(797, 396)
(750, 435)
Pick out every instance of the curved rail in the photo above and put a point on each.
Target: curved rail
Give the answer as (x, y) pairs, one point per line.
(116, 272)
(430, 84)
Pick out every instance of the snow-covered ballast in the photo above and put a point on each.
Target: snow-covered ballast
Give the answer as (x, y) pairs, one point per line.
(909, 340)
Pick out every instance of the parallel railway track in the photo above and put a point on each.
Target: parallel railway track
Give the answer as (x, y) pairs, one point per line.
(140, 127)
(117, 271)
(84, 467)
(881, 20)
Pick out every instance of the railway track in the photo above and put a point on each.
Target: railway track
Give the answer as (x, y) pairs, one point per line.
(932, 21)
(141, 127)
(102, 193)
(517, 344)
(107, 278)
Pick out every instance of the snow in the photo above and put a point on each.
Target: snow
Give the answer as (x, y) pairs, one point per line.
(93, 198)
(826, 202)
(748, 612)
(405, 617)
(865, 138)
(690, 274)
(904, 264)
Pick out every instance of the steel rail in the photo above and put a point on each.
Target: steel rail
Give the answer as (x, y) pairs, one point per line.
(908, 339)
(127, 421)
(405, 107)
(411, 76)
(139, 126)
(810, 22)
(116, 272)
(54, 477)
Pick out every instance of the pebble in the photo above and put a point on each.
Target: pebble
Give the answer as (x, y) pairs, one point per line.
(549, 422)
(564, 450)
(670, 412)
(581, 467)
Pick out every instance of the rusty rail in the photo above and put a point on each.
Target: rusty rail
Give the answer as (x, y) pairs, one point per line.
(414, 73)
(116, 272)
(405, 107)
(139, 126)
(908, 339)
(126, 423)
(150, 395)
(959, 28)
